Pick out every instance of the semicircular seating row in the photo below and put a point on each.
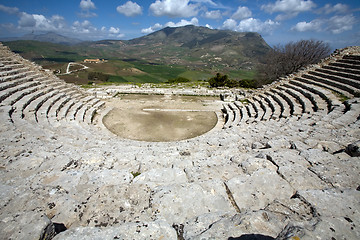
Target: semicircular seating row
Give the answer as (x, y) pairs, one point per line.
(28, 93)
(317, 91)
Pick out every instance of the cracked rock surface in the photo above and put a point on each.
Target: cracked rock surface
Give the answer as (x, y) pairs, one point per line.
(287, 178)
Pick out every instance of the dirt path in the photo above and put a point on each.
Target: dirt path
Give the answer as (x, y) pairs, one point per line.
(161, 117)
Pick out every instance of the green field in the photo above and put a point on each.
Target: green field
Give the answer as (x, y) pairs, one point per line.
(120, 69)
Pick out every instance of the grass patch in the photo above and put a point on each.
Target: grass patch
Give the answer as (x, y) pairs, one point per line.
(196, 75)
(162, 71)
(117, 79)
(343, 97)
(242, 74)
(135, 174)
(244, 101)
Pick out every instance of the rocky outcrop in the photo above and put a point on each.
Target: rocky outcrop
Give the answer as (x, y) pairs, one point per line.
(283, 171)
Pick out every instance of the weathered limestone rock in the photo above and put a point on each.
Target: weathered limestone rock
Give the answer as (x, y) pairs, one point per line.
(227, 226)
(335, 222)
(178, 203)
(141, 230)
(278, 142)
(26, 225)
(210, 172)
(346, 202)
(256, 191)
(333, 228)
(288, 178)
(162, 176)
(333, 170)
(116, 204)
(252, 165)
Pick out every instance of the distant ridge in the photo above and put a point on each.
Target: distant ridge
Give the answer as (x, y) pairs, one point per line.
(50, 37)
(195, 47)
(202, 45)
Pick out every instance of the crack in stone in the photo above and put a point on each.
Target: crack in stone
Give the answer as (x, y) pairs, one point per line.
(179, 231)
(320, 177)
(313, 211)
(231, 198)
(269, 158)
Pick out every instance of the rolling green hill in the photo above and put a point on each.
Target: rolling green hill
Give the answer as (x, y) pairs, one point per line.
(194, 52)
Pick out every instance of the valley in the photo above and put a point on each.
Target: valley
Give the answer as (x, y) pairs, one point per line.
(194, 53)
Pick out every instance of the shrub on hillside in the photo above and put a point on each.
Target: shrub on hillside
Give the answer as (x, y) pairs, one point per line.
(224, 81)
(247, 83)
(286, 59)
(98, 76)
(219, 80)
(178, 80)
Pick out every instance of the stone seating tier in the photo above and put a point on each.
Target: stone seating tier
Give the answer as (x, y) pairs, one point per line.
(335, 86)
(271, 174)
(340, 72)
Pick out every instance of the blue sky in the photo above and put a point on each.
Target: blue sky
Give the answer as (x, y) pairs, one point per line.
(279, 21)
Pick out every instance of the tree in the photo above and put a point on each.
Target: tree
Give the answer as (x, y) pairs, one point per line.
(284, 60)
(218, 81)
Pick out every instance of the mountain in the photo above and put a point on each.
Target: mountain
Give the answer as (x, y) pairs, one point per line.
(199, 45)
(47, 37)
(196, 48)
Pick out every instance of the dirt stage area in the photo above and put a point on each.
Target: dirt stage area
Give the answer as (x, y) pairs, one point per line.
(159, 118)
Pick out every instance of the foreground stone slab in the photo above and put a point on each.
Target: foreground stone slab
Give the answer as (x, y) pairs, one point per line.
(27, 225)
(256, 191)
(141, 230)
(178, 203)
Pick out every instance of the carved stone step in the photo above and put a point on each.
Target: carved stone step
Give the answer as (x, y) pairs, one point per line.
(341, 72)
(345, 65)
(285, 107)
(346, 84)
(305, 98)
(326, 95)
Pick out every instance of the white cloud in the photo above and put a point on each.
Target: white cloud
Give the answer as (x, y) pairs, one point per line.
(338, 8)
(85, 30)
(206, 1)
(83, 27)
(183, 22)
(26, 20)
(289, 8)
(209, 26)
(335, 25)
(9, 10)
(40, 22)
(35, 22)
(130, 9)
(241, 13)
(216, 14)
(314, 25)
(151, 29)
(174, 8)
(339, 24)
(56, 23)
(255, 25)
(250, 25)
(230, 24)
(87, 5)
(114, 30)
